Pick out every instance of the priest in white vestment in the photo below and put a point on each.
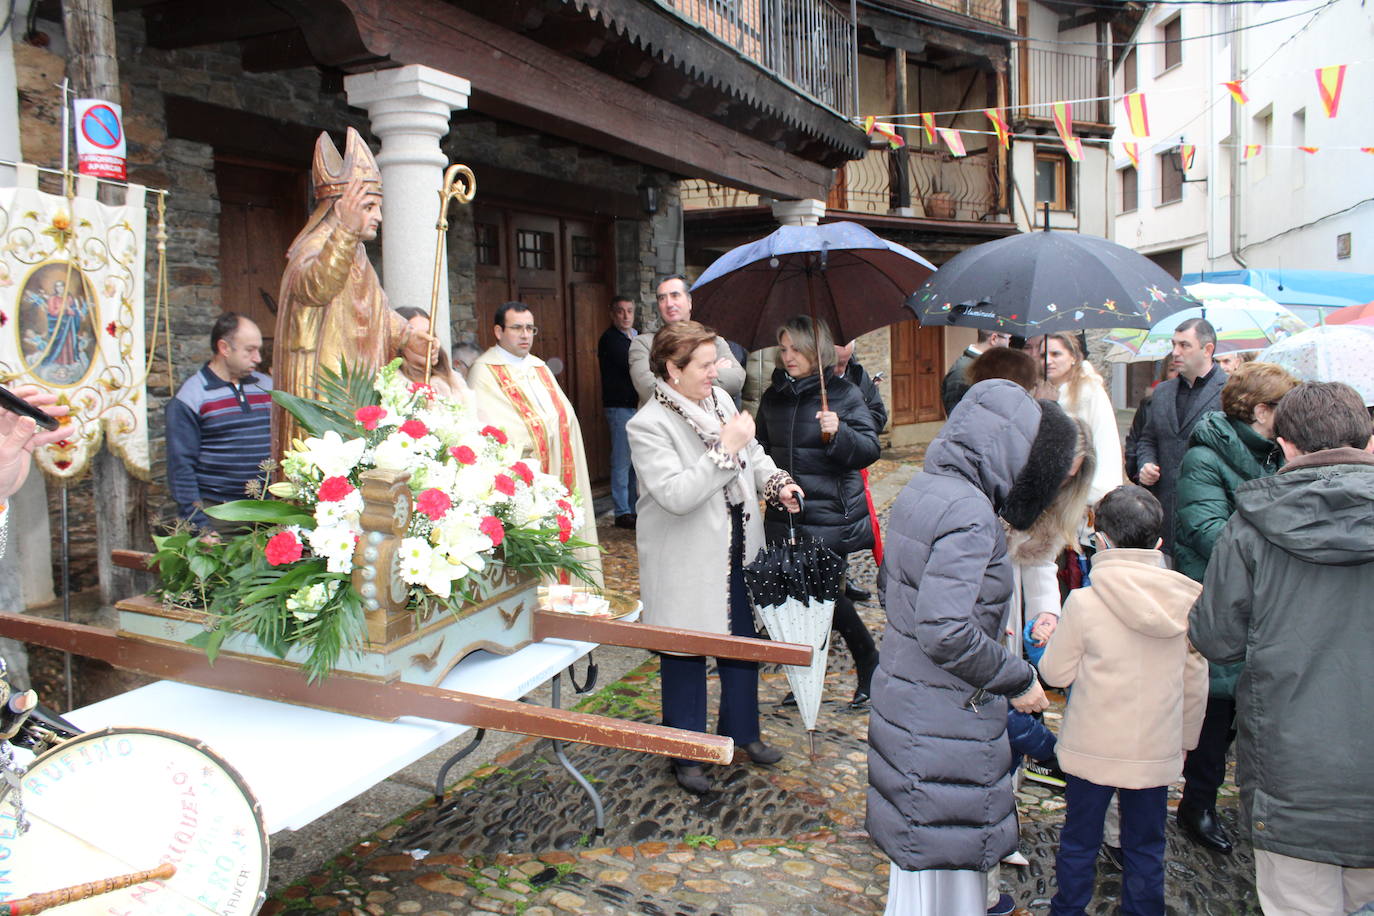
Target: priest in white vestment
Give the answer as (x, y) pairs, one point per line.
(516, 391)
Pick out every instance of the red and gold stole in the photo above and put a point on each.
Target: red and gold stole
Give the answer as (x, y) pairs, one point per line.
(535, 423)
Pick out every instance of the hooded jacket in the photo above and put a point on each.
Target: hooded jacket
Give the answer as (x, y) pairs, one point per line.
(1139, 691)
(836, 511)
(939, 766)
(1290, 590)
(1222, 454)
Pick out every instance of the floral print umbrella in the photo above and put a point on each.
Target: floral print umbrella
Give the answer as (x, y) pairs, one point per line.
(1245, 320)
(1332, 353)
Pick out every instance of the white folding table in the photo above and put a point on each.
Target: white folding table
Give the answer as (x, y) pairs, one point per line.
(301, 763)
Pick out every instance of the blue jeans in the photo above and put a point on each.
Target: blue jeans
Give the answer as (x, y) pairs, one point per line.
(1143, 813)
(624, 489)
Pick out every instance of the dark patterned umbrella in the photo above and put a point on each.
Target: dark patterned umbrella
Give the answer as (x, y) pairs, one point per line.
(1041, 282)
(839, 273)
(794, 585)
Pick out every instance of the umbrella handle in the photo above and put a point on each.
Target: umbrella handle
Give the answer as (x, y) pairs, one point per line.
(825, 407)
(791, 526)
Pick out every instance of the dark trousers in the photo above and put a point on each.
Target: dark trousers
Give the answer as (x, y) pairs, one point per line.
(683, 677)
(1143, 813)
(852, 630)
(1204, 769)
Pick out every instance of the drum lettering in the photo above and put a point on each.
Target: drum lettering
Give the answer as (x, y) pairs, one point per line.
(232, 904)
(5, 853)
(224, 863)
(124, 747)
(7, 827)
(143, 891)
(179, 778)
(184, 838)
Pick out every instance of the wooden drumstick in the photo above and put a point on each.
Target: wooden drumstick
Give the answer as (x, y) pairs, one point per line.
(37, 903)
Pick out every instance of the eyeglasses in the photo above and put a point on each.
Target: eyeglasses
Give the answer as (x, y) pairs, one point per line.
(522, 328)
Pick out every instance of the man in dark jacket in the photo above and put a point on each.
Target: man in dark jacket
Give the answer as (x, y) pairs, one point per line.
(620, 401)
(940, 800)
(955, 384)
(1288, 592)
(1176, 407)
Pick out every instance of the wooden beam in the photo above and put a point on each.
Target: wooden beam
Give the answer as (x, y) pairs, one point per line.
(271, 680)
(279, 51)
(548, 625)
(517, 79)
(184, 25)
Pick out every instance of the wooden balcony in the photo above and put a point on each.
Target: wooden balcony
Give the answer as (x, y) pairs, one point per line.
(941, 186)
(1046, 77)
(808, 43)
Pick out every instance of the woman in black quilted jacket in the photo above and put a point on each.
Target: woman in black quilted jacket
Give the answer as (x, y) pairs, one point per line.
(790, 425)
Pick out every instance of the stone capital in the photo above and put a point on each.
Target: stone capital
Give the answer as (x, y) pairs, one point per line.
(798, 212)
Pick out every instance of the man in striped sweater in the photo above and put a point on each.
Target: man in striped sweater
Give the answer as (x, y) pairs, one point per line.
(219, 426)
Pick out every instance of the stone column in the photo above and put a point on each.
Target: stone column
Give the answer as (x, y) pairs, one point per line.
(798, 212)
(409, 108)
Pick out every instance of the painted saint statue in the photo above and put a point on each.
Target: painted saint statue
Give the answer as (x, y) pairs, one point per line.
(332, 308)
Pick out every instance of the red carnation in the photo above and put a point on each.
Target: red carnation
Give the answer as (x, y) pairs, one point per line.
(427, 390)
(334, 489)
(522, 470)
(110, 329)
(496, 433)
(369, 416)
(433, 502)
(564, 528)
(284, 547)
(564, 506)
(415, 429)
(491, 526)
(463, 454)
(504, 485)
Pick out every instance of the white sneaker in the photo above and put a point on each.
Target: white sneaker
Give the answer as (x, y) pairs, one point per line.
(1015, 858)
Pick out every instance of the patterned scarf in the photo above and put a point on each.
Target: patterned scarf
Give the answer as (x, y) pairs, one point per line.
(705, 419)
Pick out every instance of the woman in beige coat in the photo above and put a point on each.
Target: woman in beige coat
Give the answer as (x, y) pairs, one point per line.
(700, 476)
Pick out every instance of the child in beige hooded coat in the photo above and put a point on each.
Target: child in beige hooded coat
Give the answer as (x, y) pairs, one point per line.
(1139, 692)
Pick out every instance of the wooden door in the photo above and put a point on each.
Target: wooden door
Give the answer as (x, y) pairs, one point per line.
(916, 373)
(262, 207)
(588, 256)
(538, 281)
(492, 270)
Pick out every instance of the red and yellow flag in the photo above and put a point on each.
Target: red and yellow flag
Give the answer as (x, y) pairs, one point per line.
(885, 130)
(1309, 149)
(1132, 151)
(1136, 115)
(1237, 92)
(953, 140)
(1251, 151)
(999, 124)
(1186, 152)
(1063, 122)
(1329, 83)
(928, 122)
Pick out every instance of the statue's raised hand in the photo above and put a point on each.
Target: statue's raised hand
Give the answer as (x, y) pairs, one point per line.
(359, 209)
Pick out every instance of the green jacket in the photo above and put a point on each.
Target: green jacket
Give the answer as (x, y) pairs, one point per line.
(1222, 454)
(1288, 592)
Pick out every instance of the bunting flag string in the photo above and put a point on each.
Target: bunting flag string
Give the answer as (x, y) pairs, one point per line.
(1136, 115)
(928, 122)
(953, 139)
(1367, 149)
(885, 130)
(1309, 149)
(1237, 93)
(1330, 80)
(999, 124)
(1132, 151)
(1063, 122)
(1252, 150)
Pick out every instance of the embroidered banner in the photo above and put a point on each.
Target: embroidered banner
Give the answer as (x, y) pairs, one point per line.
(71, 317)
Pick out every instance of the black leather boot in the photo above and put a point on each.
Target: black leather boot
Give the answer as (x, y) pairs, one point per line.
(1203, 827)
(692, 778)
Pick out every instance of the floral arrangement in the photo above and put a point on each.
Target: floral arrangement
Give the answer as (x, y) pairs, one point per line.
(478, 509)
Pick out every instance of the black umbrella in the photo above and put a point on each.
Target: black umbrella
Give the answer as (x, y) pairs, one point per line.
(1043, 281)
(794, 585)
(839, 273)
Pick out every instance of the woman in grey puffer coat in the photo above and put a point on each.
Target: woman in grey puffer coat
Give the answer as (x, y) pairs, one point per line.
(940, 800)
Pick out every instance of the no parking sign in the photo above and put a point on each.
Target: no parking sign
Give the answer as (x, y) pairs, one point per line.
(100, 148)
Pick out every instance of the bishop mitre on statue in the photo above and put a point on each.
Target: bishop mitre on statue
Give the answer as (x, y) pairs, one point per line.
(332, 308)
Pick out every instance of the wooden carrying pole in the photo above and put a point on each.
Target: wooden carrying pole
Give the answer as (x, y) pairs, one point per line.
(37, 903)
(356, 696)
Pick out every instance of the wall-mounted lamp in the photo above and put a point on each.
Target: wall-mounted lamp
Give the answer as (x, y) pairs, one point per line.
(1181, 157)
(648, 196)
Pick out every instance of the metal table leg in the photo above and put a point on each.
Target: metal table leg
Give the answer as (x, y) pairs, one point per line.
(448, 764)
(568, 765)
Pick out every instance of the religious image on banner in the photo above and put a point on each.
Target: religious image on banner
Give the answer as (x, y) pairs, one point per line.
(71, 319)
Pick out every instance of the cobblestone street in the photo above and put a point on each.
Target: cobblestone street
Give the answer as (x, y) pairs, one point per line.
(516, 836)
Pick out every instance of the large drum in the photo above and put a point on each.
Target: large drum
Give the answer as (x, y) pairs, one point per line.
(124, 800)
